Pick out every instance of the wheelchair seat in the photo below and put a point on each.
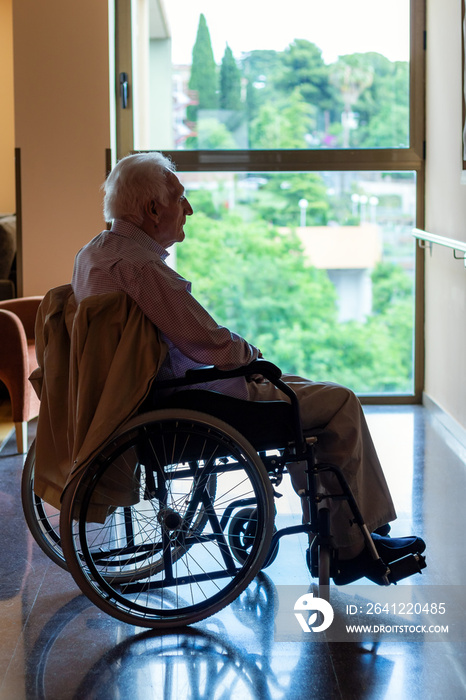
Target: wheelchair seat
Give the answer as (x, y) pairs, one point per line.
(265, 424)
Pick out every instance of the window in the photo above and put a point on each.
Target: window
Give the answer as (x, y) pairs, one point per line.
(307, 127)
(320, 269)
(207, 78)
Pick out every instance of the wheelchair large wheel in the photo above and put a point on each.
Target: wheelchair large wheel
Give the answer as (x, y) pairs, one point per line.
(42, 519)
(157, 503)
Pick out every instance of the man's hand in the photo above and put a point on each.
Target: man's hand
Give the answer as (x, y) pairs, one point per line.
(256, 378)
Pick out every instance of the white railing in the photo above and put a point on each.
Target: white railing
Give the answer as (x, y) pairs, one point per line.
(426, 239)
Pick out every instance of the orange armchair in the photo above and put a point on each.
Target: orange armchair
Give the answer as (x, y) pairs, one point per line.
(18, 360)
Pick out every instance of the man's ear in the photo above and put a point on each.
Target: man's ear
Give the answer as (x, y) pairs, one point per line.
(151, 210)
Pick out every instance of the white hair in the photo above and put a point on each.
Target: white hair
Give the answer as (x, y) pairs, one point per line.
(135, 181)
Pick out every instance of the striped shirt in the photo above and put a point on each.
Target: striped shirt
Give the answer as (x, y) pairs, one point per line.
(127, 259)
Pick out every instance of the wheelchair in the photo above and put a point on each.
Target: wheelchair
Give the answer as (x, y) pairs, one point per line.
(174, 517)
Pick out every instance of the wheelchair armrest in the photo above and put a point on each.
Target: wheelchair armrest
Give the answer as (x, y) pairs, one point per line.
(210, 373)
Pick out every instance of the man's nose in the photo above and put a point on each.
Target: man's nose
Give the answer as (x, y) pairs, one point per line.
(188, 208)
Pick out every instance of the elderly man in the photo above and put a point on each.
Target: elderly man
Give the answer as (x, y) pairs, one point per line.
(146, 203)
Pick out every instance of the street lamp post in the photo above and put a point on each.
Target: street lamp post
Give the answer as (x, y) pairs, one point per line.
(303, 204)
(373, 201)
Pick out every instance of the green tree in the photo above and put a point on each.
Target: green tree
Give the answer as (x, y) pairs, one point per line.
(254, 279)
(368, 85)
(230, 82)
(383, 105)
(285, 190)
(303, 67)
(384, 108)
(258, 69)
(203, 79)
(212, 134)
(352, 75)
(289, 96)
(282, 125)
(271, 288)
(390, 284)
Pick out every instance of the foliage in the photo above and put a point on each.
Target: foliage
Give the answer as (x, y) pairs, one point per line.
(283, 125)
(303, 68)
(352, 76)
(213, 135)
(287, 189)
(251, 301)
(391, 284)
(249, 272)
(293, 100)
(383, 107)
(253, 278)
(258, 69)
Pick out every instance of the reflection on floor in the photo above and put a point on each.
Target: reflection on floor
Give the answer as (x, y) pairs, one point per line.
(57, 645)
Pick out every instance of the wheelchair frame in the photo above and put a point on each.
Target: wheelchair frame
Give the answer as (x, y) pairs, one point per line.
(177, 490)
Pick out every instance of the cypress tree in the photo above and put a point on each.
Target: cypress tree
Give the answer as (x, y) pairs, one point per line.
(203, 77)
(230, 82)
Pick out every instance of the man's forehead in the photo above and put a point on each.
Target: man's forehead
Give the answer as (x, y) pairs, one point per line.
(174, 185)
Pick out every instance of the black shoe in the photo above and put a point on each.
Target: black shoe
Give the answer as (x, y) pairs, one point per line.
(383, 530)
(392, 548)
(364, 566)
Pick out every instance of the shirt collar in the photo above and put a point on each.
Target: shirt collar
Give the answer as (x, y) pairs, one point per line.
(125, 228)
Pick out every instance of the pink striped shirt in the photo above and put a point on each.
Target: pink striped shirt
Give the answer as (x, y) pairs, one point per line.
(127, 259)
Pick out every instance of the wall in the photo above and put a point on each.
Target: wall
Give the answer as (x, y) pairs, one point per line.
(445, 212)
(62, 127)
(7, 150)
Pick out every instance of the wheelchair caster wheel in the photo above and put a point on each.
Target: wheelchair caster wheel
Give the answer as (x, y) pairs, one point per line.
(241, 535)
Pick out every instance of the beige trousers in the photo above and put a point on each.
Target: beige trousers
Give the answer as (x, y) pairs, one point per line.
(345, 441)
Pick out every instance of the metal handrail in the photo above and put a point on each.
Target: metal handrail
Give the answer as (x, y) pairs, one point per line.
(430, 238)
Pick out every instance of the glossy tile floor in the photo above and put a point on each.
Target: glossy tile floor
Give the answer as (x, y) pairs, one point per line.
(57, 645)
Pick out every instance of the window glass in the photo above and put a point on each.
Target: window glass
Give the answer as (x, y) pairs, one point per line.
(212, 75)
(316, 269)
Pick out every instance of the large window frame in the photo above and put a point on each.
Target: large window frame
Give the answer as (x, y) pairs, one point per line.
(390, 159)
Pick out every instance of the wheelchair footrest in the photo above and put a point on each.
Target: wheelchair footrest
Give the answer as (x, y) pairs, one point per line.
(406, 566)
(382, 573)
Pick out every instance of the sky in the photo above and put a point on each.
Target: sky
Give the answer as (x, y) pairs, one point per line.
(338, 27)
